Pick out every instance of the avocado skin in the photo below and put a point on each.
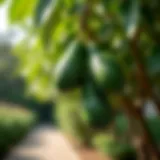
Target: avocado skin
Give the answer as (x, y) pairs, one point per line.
(70, 71)
(96, 106)
(106, 72)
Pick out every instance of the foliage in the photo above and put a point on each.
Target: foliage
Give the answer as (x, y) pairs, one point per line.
(9, 79)
(20, 9)
(127, 30)
(15, 122)
(107, 144)
(38, 75)
(71, 117)
(1, 1)
(154, 125)
(122, 126)
(59, 23)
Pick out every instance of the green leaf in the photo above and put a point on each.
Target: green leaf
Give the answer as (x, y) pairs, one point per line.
(69, 3)
(133, 19)
(41, 88)
(147, 14)
(40, 10)
(52, 22)
(21, 9)
(2, 1)
(111, 6)
(131, 15)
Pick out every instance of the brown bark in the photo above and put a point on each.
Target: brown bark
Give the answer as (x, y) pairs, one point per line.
(131, 111)
(142, 76)
(86, 14)
(143, 151)
(84, 22)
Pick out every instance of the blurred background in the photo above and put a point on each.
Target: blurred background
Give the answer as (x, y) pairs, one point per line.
(19, 113)
(79, 80)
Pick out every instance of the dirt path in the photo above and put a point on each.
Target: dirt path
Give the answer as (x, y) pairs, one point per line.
(43, 143)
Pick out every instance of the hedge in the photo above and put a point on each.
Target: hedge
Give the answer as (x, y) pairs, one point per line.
(15, 122)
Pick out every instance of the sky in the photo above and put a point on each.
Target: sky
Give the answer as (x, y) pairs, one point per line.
(3, 19)
(5, 28)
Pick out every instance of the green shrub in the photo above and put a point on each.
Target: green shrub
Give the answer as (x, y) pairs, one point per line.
(70, 116)
(14, 124)
(121, 124)
(108, 145)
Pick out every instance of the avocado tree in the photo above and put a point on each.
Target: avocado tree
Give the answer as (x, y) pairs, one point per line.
(105, 48)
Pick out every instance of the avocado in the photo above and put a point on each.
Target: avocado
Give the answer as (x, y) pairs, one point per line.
(97, 109)
(106, 71)
(70, 70)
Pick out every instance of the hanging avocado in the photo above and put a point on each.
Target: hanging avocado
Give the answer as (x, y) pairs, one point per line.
(97, 109)
(69, 72)
(106, 71)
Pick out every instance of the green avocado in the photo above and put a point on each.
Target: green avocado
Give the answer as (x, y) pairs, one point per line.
(96, 107)
(70, 70)
(106, 71)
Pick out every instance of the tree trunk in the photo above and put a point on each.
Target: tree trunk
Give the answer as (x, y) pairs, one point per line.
(132, 113)
(137, 140)
(142, 76)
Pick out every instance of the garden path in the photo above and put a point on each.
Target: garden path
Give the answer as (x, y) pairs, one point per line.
(43, 143)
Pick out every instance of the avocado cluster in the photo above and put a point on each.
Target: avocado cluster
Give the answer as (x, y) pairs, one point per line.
(95, 73)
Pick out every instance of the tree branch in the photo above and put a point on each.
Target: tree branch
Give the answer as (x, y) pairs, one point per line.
(142, 76)
(84, 23)
(132, 113)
